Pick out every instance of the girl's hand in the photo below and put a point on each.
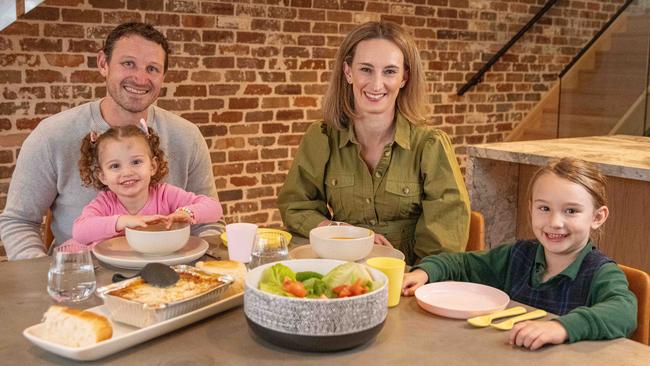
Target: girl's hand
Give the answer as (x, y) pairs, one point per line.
(381, 240)
(134, 221)
(536, 333)
(413, 280)
(177, 216)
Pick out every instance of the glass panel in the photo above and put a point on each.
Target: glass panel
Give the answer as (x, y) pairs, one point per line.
(605, 91)
(31, 4)
(7, 13)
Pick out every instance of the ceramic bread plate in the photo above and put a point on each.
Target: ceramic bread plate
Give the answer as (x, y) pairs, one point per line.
(307, 252)
(260, 232)
(118, 253)
(125, 336)
(460, 300)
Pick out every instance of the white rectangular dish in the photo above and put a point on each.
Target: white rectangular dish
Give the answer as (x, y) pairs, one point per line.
(125, 336)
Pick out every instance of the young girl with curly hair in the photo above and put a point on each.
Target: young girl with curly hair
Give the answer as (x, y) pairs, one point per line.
(127, 165)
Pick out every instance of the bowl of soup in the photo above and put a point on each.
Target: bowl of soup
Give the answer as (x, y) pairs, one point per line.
(156, 239)
(342, 242)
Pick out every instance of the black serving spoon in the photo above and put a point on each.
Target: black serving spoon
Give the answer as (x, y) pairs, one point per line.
(155, 274)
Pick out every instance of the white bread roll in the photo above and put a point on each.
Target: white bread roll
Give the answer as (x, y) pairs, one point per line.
(236, 269)
(75, 328)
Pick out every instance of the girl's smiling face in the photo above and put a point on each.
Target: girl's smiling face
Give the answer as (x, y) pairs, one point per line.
(563, 214)
(126, 167)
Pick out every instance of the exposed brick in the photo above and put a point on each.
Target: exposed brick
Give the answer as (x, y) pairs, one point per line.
(174, 104)
(191, 91)
(227, 116)
(208, 104)
(261, 141)
(259, 116)
(183, 35)
(243, 103)
(223, 89)
(10, 76)
(289, 115)
(22, 29)
(41, 44)
(273, 178)
(251, 37)
(43, 76)
(219, 62)
(260, 167)
(79, 16)
(275, 102)
(218, 36)
(198, 21)
(50, 107)
(230, 195)
(86, 76)
(250, 63)
(64, 60)
(118, 17)
(275, 128)
(43, 13)
(206, 76)
(107, 4)
(199, 49)
(155, 5)
(260, 192)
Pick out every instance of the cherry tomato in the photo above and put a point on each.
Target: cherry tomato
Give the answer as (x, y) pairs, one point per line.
(295, 288)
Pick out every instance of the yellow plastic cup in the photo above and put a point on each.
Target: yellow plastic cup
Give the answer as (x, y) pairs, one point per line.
(393, 268)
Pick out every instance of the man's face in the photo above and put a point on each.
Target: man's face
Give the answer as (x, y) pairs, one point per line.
(134, 74)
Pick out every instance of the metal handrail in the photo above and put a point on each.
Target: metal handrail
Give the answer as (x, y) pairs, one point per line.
(479, 75)
(594, 38)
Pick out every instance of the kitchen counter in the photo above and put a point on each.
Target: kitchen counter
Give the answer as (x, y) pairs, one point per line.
(498, 176)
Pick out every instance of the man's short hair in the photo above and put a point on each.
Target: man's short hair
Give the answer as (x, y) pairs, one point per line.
(144, 30)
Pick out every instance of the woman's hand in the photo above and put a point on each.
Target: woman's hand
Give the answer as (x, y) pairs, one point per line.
(534, 334)
(413, 280)
(381, 240)
(134, 221)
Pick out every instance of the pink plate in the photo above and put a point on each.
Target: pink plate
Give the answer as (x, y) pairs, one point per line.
(460, 300)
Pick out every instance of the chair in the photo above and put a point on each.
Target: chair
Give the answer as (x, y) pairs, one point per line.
(47, 235)
(476, 239)
(640, 285)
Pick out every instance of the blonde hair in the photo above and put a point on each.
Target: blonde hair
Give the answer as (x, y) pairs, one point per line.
(89, 160)
(577, 171)
(338, 103)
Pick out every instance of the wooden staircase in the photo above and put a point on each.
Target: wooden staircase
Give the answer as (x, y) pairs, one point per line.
(600, 95)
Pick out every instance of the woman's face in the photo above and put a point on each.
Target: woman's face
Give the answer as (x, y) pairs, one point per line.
(376, 74)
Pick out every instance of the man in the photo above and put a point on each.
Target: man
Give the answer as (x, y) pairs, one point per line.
(134, 62)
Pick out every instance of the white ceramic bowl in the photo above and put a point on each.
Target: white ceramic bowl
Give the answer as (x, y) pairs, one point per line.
(156, 240)
(343, 242)
(319, 325)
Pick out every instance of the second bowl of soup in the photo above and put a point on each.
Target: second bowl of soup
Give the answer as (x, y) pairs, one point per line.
(343, 242)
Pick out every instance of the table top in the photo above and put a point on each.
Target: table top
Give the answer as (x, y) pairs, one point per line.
(618, 155)
(410, 336)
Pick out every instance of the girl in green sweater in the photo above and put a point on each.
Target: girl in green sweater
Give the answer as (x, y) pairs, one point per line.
(561, 272)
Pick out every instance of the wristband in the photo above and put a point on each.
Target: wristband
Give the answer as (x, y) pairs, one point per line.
(187, 211)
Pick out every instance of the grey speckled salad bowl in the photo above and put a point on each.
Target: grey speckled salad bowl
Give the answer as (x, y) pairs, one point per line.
(316, 325)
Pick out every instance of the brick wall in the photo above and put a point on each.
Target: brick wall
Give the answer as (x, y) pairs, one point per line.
(251, 74)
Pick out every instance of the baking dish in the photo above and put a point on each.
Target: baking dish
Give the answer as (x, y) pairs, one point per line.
(140, 314)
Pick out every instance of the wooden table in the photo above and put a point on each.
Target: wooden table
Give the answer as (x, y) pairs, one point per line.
(410, 336)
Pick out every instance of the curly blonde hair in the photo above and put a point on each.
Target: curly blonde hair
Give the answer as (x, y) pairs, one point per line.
(89, 161)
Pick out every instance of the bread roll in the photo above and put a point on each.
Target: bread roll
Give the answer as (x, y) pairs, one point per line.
(75, 328)
(236, 269)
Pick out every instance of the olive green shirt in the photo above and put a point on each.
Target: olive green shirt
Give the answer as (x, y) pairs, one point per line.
(415, 197)
(611, 308)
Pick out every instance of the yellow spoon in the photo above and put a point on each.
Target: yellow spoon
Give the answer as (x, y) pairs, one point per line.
(508, 324)
(485, 320)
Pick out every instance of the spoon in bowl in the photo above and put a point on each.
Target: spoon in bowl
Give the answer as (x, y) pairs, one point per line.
(485, 320)
(508, 324)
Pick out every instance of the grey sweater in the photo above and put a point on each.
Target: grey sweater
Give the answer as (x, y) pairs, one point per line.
(47, 174)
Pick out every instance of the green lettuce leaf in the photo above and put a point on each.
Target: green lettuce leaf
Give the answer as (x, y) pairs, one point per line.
(347, 274)
(273, 277)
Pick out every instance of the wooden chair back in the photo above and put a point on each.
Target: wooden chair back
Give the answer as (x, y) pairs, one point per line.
(640, 285)
(476, 240)
(47, 235)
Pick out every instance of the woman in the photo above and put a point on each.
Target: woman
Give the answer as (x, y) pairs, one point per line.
(370, 163)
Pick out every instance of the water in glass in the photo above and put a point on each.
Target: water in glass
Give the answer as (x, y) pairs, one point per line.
(71, 277)
(268, 248)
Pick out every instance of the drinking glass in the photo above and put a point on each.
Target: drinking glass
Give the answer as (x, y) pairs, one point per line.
(71, 277)
(268, 248)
